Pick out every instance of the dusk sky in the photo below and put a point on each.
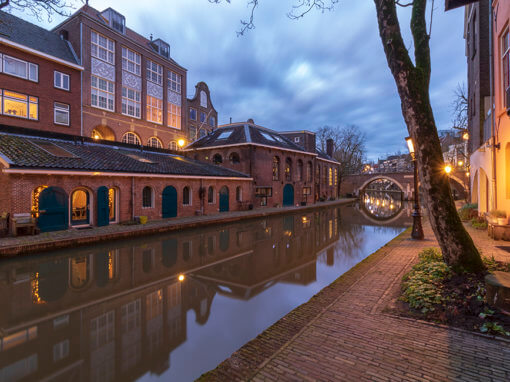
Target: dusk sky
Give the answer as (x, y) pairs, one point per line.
(325, 69)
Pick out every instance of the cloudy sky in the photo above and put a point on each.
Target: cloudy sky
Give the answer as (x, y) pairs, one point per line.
(325, 69)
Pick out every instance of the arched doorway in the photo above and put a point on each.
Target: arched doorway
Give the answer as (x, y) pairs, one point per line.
(80, 207)
(53, 212)
(224, 206)
(103, 132)
(103, 208)
(288, 195)
(169, 204)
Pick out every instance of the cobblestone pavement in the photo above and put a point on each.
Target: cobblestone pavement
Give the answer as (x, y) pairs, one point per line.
(344, 334)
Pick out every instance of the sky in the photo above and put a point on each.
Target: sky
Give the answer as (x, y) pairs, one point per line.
(327, 68)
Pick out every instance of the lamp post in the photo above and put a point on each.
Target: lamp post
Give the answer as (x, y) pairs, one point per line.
(417, 232)
(181, 142)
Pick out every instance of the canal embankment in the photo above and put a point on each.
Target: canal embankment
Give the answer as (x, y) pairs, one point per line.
(347, 332)
(49, 241)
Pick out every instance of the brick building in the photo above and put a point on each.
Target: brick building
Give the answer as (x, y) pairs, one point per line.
(202, 116)
(284, 173)
(39, 78)
(132, 89)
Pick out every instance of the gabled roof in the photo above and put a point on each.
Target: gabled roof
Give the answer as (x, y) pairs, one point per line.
(28, 152)
(322, 155)
(245, 133)
(22, 32)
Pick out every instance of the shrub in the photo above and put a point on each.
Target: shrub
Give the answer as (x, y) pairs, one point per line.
(479, 223)
(468, 212)
(430, 254)
(498, 214)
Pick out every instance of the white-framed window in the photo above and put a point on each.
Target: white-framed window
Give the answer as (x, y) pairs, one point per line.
(131, 138)
(174, 82)
(102, 47)
(174, 115)
(155, 142)
(172, 145)
(19, 68)
(192, 114)
(61, 113)
(192, 133)
(61, 81)
(131, 61)
(19, 105)
(296, 139)
(154, 109)
(505, 63)
(154, 72)
(103, 93)
(60, 350)
(131, 104)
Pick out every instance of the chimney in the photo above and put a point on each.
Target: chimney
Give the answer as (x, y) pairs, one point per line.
(64, 35)
(329, 147)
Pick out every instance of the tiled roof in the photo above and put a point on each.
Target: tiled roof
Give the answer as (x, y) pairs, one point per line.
(26, 152)
(22, 32)
(244, 134)
(323, 155)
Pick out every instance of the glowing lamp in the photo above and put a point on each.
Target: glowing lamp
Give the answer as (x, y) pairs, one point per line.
(460, 163)
(465, 136)
(448, 169)
(96, 136)
(410, 147)
(181, 277)
(181, 142)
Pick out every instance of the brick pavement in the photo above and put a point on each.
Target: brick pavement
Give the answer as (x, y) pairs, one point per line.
(344, 334)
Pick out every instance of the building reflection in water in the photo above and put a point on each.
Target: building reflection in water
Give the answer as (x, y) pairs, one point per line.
(117, 312)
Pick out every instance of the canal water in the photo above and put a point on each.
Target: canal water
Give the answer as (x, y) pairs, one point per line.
(174, 306)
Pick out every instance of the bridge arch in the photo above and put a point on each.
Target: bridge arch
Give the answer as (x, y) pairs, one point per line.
(377, 177)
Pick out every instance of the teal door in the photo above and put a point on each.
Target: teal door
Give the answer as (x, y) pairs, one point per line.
(288, 195)
(169, 204)
(53, 211)
(103, 209)
(224, 199)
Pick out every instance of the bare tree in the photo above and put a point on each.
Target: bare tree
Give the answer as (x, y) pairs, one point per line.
(460, 108)
(40, 7)
(412, 80)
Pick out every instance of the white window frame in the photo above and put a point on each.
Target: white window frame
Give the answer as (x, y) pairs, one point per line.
(61, 76)
(506, 53)
(174, 111)
(29, 100)
(151, 73)
(127, 140)
(28, 66)
(96, 47)
(196, 114)
(134, 102)
(158, 107)
(108, 93)
(174, 82)
(136, 61)
(62, 108)
(159, 144)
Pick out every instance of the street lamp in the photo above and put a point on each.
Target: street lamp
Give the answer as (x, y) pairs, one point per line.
(181, 142)
(448, 169)
(417, 232)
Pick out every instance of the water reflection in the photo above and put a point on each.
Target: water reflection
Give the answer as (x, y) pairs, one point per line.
(382, 205)
(117, 312)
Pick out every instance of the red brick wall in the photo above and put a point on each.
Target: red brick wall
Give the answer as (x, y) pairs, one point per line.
(45, 91)
(209, 110)
(5, 194)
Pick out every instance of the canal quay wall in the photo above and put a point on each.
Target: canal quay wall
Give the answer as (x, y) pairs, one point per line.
(48, 241)
(347, 332)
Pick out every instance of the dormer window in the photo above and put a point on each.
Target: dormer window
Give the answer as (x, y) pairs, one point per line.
(115, 20)
(161, 47)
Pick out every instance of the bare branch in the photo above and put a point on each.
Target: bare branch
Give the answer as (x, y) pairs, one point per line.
(404, 5)
(39, 7)
(305, 6)
(459, 108)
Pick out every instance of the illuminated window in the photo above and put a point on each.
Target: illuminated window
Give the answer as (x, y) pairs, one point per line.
(131, 102)
(79, 271)
(61, 112)
(155, 142)
(154, 72)
(330, 176)
(154, 109)
(19, 105)
(173, 145)
(102, 93)
(174, 82)
(288, 169)
(102, 47)
(174, 115)
(131, 61)
(276, 168)
(20, 68)
(131, 138)
(112, 204)
(336, 177)
(61, 81)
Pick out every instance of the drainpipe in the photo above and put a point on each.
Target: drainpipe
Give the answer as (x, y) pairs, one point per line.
(81, 79)
(202, 192)
(493, 117)
(133, 198)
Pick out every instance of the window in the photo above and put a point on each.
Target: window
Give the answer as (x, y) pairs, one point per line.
(19, 105)
(103, 94)
(296, 139)
(174, 82)
(217, 159)
(147, 197)
(234, 158)
(330, 176)
(131, 102)
(174, 115)
(505, 52)
(210, 195)
(155, 142)
(20, 68)
(131, 138)
(239, 194)
(288, 169)
(61, 80)
(61, 111)
(192, 114)
(336, 176)
(299, 175)
(173, 145)
(60, 350)
(276, 168)
(307, 191)
(102, 47)
(131, 61)
(154, 72)
(192, 133)
(309, 172)
(225, 134)
(212, 121)
(154, 109)
(186, 196)
(202, 116)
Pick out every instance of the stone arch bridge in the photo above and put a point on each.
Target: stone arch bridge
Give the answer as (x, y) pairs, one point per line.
(404, 181)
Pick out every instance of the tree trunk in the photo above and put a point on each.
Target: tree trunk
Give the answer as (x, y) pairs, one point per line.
(412, 82)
